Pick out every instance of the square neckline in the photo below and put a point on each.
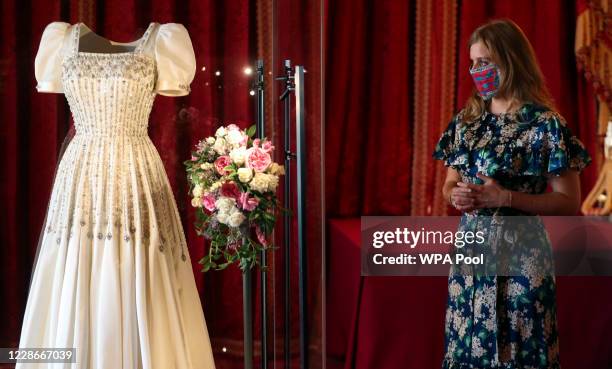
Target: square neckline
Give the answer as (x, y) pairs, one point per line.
(138, 43)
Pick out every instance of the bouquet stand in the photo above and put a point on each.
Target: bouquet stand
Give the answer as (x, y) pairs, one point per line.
(247, 298)
(293, 80)
(247, 294)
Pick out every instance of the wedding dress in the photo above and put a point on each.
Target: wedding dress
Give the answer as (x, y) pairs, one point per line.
(113, 277)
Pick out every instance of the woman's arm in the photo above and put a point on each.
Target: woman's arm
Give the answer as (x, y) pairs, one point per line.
(563, 200)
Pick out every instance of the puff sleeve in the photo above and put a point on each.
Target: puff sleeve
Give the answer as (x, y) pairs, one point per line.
(175, 58)
(560, 149)
(48, 60)
(451, 148)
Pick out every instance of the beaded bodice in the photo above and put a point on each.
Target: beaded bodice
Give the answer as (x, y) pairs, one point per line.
(110, 94)
(111, 185)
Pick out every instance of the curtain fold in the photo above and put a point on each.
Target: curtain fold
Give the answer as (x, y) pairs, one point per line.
(434, 85)
(368, 107)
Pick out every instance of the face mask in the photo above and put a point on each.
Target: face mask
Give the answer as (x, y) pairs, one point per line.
(486, 80)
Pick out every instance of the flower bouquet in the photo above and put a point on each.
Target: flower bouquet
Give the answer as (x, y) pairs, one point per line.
(233, 182)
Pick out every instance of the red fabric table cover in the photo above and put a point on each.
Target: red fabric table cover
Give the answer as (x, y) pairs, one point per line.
(398, 322)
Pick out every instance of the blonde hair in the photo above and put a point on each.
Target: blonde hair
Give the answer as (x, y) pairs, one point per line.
(521, 78)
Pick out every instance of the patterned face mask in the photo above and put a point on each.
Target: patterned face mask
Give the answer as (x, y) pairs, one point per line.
(486, 80)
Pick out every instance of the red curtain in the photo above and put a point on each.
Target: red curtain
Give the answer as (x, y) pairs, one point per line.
(368, 107)
(369, 93)
(34, 125)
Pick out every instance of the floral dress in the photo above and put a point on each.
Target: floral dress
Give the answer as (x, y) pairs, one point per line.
(507, 320)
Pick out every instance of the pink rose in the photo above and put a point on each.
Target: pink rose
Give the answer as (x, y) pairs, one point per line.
(256, 142)
(230, 189)
(257, 159)
(193, 158)
(267, 146)
(221, 163)
(248, 203)
(209, 202)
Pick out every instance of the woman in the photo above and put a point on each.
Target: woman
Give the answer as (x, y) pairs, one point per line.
(502, 150)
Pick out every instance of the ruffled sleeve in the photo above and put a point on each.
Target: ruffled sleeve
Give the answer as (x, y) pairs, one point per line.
(560, 149)
(48, 61)
(451, 148)
(176, 63)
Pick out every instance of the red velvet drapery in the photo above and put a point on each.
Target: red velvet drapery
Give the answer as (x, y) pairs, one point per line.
(369, 89)
(368, 107)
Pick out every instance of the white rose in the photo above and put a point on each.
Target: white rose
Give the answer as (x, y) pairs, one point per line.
(245, 174)
(221, 131)
(235, 218)
(196, 202)
(210, 140)
(272, 182)
(238, 155)
(263, 182)
(197, 191)
(259, 182)
(223, 218)
(225, 204)
(234, 137)
(220, 146)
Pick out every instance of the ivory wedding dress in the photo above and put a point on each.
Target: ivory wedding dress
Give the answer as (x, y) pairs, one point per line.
(113, 277)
